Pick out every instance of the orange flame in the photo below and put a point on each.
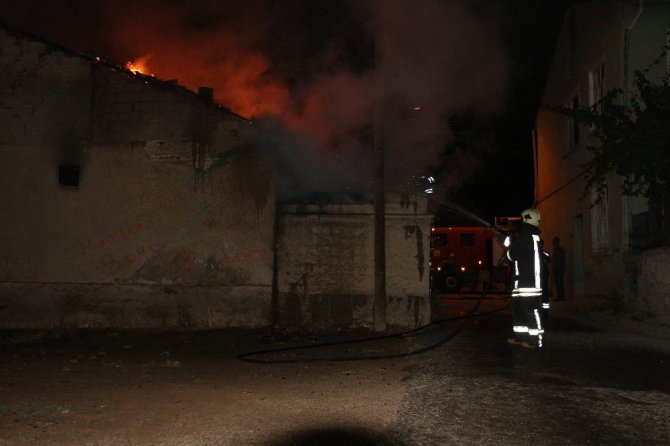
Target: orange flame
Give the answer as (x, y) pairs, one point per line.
(139, 65)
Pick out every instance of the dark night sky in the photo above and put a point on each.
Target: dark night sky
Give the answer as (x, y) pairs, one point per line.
(506, 186)
(477, 69)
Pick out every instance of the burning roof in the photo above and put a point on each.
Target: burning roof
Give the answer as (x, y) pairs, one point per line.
(135, 69)
(317, 79)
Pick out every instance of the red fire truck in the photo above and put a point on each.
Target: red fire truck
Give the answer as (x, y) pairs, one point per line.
(471, 257)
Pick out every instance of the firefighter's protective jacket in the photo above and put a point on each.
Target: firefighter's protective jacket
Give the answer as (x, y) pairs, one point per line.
(524, 252)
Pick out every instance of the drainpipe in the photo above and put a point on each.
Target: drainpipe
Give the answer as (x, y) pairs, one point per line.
(626, 50)
(379, 298)
(536, 190)
(379, 305)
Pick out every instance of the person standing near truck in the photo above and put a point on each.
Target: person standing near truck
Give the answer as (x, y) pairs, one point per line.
(524, 252)
(558, 268)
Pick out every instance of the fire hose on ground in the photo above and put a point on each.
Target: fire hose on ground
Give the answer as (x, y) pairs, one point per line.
(255, 356)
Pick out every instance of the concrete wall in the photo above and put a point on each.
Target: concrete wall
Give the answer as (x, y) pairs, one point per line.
(171, 224)
(654, 283)
(325, 265)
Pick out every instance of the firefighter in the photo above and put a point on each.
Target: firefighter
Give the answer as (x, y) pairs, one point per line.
(525, 253)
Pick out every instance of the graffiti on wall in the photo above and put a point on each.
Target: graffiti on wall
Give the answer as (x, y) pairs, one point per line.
(116, 237)
(184, 261)
(122, 248)
(141, 251)
(113, 262)
(230, 254)
(19, 269)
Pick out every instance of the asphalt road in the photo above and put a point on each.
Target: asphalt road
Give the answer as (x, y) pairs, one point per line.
(453, 383)
(585, 387)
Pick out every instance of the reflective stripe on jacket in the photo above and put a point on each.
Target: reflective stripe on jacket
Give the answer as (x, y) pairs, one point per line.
(525, 253)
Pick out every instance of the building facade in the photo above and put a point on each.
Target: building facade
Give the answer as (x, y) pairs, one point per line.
(131, 202)
(126, 200)
(608, 242)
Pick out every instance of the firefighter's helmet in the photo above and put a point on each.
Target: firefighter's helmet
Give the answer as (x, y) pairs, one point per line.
(531, 216)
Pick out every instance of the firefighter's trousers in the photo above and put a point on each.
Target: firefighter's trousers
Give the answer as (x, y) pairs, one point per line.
(527, 318)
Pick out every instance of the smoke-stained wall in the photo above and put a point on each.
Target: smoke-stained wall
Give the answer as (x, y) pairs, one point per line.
(130, 202)
(127, 202)
(325, 264)
(322, 70)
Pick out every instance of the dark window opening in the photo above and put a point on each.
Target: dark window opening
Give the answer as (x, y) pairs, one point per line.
(468, 239)
(68, 175)
(574, 125)
(439, 241)
(651, 229)
(639, 233)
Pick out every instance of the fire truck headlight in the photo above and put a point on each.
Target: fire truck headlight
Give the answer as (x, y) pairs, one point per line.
(479, 262)
(462, 268)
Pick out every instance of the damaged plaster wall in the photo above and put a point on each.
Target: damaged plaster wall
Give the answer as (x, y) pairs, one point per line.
(326, 265)
(170, 222)
(652, 297)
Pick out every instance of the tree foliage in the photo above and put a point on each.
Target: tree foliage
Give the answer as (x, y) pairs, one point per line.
(632, 140)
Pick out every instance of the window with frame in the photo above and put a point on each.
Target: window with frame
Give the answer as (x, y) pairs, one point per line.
(597, 86)
(573, 125)
(439, 240)
(599, 220)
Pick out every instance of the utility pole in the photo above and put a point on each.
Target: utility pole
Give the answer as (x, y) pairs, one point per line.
(379, 303)
(379, 308)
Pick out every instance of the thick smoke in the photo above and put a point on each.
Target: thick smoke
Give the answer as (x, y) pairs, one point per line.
(321, 79)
